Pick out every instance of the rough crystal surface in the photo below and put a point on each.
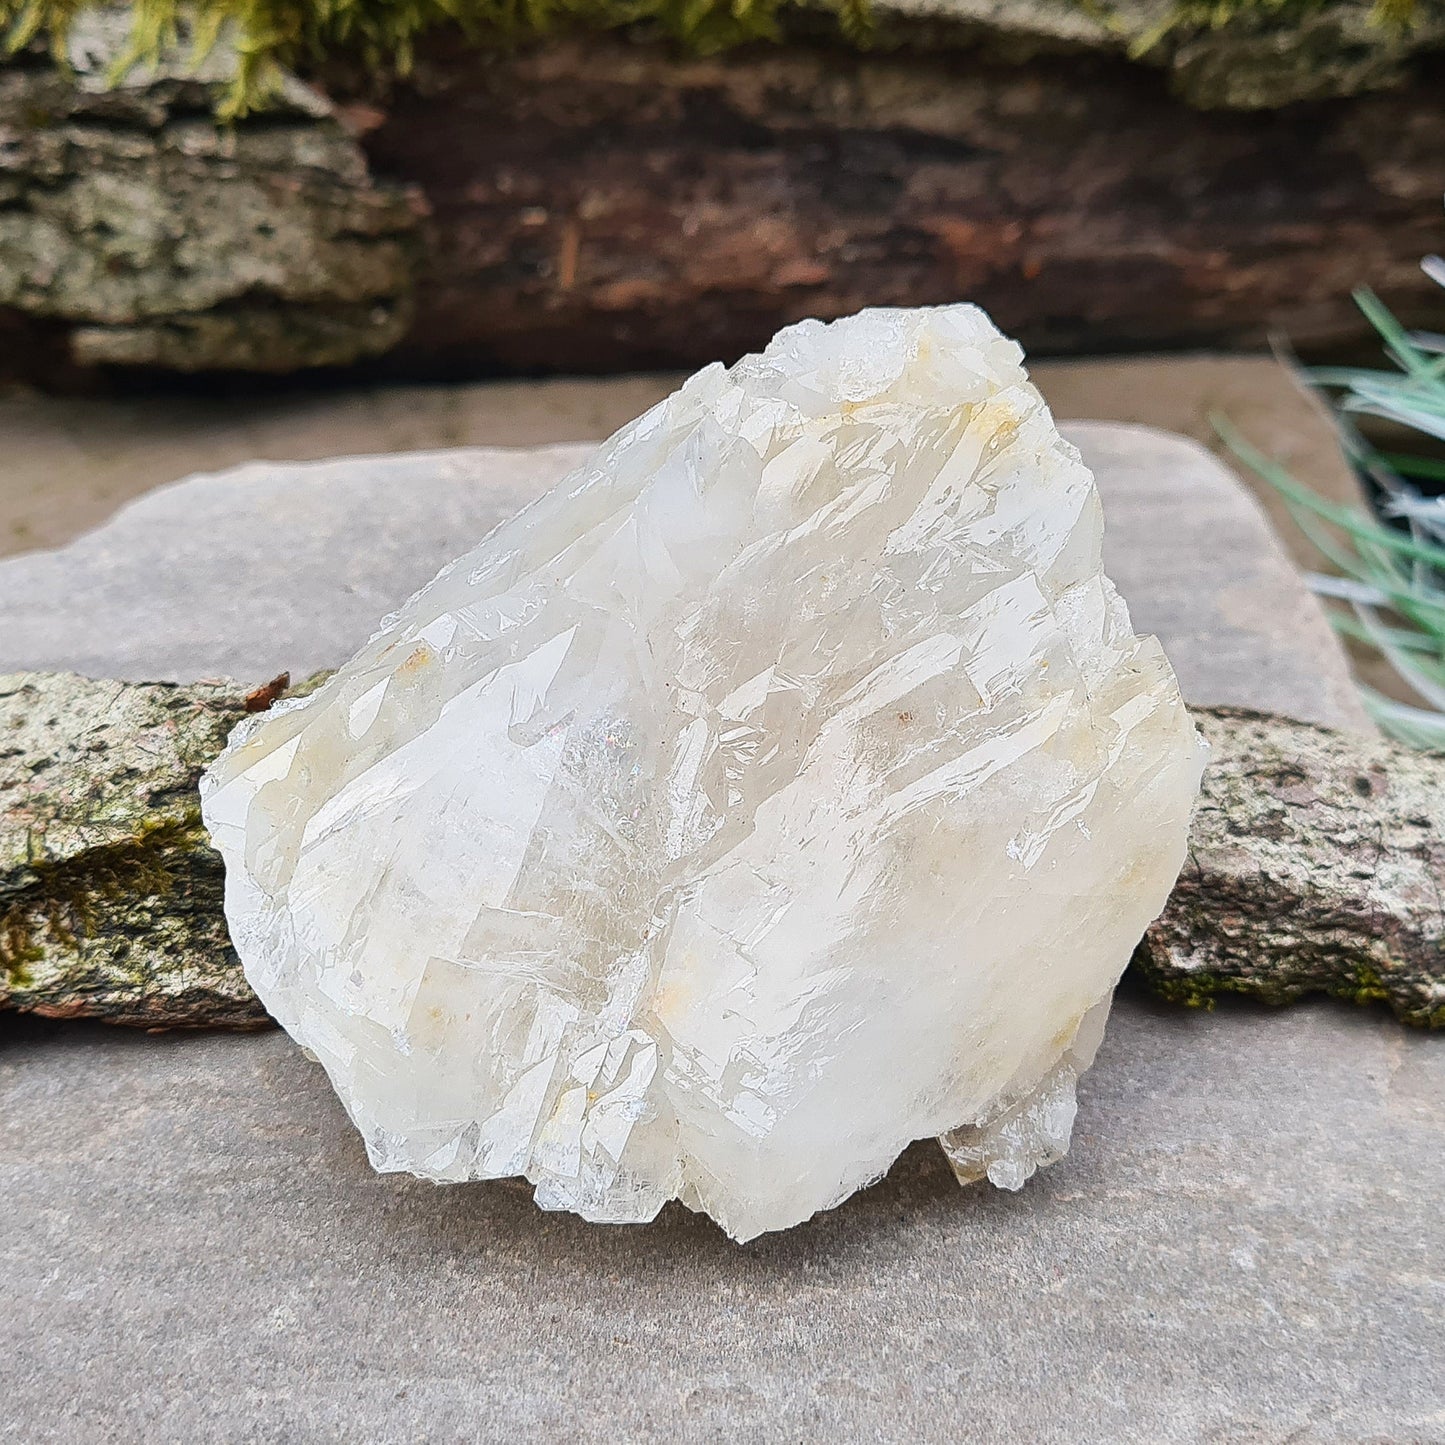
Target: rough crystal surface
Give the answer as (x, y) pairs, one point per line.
(784, 786)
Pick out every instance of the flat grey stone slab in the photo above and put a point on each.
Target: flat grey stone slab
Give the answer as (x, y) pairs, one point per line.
(270, 566)
(1245, 1243)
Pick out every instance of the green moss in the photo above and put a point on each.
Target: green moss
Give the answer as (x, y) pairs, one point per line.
(272, 34)
(60, 903)
(18, 976)
(1202, 15)
(1202, 988)
(308, 685)
(1216, 14)
(1365, 987)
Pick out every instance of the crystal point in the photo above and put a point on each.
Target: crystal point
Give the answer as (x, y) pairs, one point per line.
(785, 785)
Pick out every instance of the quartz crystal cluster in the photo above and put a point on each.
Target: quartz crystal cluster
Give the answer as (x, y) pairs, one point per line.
(784, 786)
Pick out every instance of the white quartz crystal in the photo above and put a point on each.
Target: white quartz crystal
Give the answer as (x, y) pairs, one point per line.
(784, 786)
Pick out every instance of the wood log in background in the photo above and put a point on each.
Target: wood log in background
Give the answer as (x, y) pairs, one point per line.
(605, 203)
(601, 206)
(1316, 862)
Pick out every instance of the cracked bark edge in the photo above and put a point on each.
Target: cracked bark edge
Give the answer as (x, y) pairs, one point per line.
(1315, 863)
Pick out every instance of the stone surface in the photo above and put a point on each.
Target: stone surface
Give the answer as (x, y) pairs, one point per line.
(72, 462)
(1243, 1244)
(193, 1218)
(786, 785)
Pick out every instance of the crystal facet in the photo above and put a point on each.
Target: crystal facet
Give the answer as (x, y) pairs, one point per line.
(784, 786)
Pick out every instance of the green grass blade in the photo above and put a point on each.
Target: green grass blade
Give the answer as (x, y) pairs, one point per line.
(1426, 469)
(1417, 727)
(1357, 526)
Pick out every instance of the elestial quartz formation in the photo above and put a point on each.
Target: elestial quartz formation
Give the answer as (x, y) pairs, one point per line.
(784, 786)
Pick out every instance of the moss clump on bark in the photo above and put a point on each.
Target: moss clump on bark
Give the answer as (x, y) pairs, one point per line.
(271, 36)
(60, 903)
(1203, 988)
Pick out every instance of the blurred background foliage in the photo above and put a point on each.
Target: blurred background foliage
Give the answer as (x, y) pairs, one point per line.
(1387, 583)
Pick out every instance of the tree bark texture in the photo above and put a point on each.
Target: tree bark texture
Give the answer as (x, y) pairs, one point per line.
(1316, 865)
(135, 231)
(1316, 862)
(110, 894)
(601, 206)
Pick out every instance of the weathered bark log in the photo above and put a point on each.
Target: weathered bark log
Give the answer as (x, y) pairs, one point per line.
(1316, 865)
(147, 235)
(604, 204)
(1258, 57)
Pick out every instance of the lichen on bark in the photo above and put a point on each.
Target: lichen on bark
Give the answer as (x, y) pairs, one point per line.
(110, 895)
(1316, 865)
(161, 239)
